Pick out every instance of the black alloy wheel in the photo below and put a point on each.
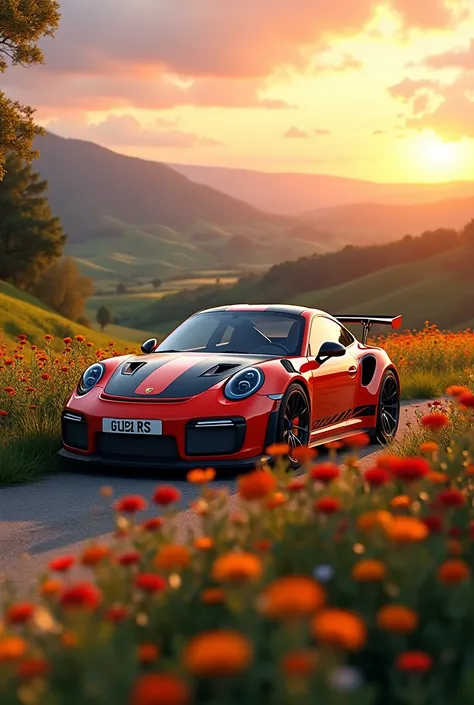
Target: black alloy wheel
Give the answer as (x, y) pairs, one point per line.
(294, 423)
(388, 415)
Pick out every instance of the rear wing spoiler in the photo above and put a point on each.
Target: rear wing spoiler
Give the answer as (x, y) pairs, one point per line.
(368, 321)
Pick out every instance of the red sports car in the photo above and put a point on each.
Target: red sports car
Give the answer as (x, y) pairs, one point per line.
(229, 382)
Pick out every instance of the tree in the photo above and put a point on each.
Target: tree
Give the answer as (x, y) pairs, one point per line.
(65, 288)
(103, 317)
(31, 239)
(22, 24)
(121, 288)
(156, 283)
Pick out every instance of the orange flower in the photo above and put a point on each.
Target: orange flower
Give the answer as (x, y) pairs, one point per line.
(414, 662)
(277, 500)
(201, 477)
(106, 491)
(429, 447)
(359, 440)
(172, 557)
(454, 547)
(397, 619)
(256, 485)
(64, 368)
(466, 400)
(12, 648)
(470, 469)
(291, 597)
(50, 587)
(339, 628)
(212, 596)
(300, 663)
(453, 571)
(401, 501)
(456, 390)
(159, 689)
(80, 338)
(62, 564)
(368, 570)
(303, 454)
(204, 543)
(406, 530)
(278, 449)
(437, 478)
(372, 520)
(94, 554)
(218, 653)
(237, 567)
(325, 472)
(33, 668)
(147, 653)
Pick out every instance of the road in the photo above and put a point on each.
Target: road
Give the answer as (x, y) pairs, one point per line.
(62, 513)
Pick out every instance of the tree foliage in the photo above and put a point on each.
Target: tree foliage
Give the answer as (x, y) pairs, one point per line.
(31, 239)
(156, 283)
(22, 24)
(103, 317)
(65, 288)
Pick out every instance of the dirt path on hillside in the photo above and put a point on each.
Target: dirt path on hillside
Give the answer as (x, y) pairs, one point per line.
(62, 513)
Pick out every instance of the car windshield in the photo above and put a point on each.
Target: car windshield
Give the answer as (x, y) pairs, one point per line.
(247, 332)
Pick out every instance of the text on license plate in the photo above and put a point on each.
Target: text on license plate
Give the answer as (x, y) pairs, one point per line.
(132, 426)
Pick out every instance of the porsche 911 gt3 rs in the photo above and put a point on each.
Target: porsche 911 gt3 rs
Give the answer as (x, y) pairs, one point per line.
(228, 383)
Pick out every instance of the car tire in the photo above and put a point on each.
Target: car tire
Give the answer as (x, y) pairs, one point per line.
(388, 409)
(294, 398)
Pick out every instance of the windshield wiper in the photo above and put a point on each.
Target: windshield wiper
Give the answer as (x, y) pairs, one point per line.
(165, 351)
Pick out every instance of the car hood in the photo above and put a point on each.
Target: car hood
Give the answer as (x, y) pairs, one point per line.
(165, 376)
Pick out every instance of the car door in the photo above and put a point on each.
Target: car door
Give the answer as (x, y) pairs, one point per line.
(334, 382)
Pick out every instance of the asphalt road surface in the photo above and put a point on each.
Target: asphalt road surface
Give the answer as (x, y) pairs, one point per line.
(61, 514)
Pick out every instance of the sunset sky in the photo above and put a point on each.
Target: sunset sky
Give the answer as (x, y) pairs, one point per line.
(360, 88)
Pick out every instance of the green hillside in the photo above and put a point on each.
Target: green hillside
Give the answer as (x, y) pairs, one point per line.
(21, 313)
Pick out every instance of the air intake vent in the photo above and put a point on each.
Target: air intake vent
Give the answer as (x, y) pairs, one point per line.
(132, 367)
(287, 365)
(221, 369)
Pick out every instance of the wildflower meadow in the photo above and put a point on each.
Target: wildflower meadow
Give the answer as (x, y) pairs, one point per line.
(332, 585)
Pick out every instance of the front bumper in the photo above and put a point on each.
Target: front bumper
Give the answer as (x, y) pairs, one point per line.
(227, 436)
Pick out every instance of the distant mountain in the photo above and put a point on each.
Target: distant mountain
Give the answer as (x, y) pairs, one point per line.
(128, 218)
(369, 223)
(293, 193)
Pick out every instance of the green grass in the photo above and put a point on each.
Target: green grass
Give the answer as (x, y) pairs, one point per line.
(29, 458)
(423, 384)
(22, 313)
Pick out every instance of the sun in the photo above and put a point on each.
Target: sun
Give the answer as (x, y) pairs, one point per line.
(435, 159)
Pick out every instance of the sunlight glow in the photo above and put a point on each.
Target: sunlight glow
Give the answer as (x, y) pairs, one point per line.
(436, 159)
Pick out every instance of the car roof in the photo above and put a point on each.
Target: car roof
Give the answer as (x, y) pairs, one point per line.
(274, 308)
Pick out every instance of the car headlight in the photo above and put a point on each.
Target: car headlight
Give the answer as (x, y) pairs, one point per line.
(244, 383)
(90, 377)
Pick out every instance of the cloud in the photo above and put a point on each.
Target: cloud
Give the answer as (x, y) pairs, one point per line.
(452, 120)
(459, 58)
(375, 133)
(341, 63)
(127, 131)
(295, 133)
(408, 89)
(321, 132)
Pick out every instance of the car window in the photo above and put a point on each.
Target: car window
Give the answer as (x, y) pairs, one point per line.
(258, 332)
(326, 330)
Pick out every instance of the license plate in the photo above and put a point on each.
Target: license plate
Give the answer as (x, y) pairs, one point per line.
(133, 427)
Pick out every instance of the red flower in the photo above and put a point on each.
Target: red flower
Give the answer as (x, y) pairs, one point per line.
(166, 495)
(20, 613)
(153, 524)
(67, 341)
(414, 662)
(129, 558)
(149, 582)
(62, 564)
(325, 472)
(327, 505)
(360, 440)
(467, 400)
(376, 476)
(81, 596)
(131, 504)
(296, 485)
(116, 613)
(3, 412)
(435, 421)
(450, 498)
(46, 376)
(33, 668)
(410, 469)
(454, 532)
(433, 523)
(21, 336)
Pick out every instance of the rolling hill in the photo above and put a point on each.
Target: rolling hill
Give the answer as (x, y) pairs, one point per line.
(128, 218)
(293, 193)
(22, 313)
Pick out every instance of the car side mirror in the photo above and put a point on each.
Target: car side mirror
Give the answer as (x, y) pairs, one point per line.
(149, 345)
(330, 349)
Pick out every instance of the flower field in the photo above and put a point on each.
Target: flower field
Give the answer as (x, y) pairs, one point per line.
(335, 586)
(35, 383)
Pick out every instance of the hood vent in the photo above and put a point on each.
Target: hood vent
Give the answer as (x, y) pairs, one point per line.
(220, 369)
(132, 367)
